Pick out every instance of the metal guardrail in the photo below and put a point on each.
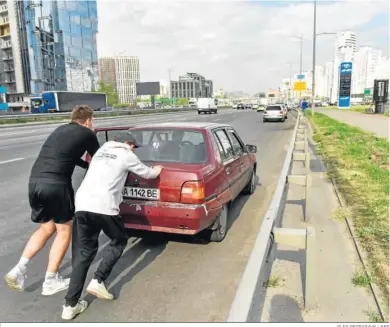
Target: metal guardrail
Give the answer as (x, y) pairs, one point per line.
(269, 233)
(96, 113)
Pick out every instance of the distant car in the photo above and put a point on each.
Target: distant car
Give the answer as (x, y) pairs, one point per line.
(274, 112)
(206, 166)
(207, 105)
(234, 106)
(248, 106)
(261, 108)
(255, 106)
(285, 110)
(105, 109)
(240, 106)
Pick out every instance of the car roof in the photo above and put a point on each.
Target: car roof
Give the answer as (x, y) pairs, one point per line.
(182, 125)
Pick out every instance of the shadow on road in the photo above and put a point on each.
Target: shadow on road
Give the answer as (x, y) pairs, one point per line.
(284, 309)
(133, 261)
(297, 256)
(301, 203)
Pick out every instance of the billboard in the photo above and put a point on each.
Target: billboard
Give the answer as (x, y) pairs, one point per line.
(299, 86)
(345, 83)
(148, 88)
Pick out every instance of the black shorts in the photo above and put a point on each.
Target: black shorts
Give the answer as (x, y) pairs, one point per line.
(51, 201)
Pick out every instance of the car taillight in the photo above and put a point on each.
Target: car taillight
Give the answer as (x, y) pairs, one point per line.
(87, 157)
(281, 111)
(192, 192)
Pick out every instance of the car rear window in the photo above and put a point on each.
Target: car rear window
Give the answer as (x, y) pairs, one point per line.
(270, 108)
(168, 145)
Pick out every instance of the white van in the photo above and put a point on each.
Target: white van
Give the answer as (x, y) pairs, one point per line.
(207, 105)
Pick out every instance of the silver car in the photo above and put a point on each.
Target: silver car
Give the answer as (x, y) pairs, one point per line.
(274, 112)
(284, 109)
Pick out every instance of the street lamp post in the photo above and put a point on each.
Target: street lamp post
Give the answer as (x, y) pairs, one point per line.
(313, 87)
(301, 38)
(315, 34)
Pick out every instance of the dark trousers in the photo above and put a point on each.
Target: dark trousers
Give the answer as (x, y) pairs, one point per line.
(86, 229)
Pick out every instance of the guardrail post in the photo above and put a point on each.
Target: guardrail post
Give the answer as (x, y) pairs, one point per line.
(310, 290)
(302, 180)
(303, 239)
(307, 196)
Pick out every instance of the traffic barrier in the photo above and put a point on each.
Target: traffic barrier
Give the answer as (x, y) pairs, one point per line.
(96, 113)
(269, 233)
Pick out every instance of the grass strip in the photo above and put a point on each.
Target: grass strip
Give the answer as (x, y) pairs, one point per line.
(358, 162)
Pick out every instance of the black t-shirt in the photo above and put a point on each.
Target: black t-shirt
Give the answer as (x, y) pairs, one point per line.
(62, 151)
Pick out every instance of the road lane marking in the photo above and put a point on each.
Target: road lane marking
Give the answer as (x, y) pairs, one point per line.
(16, 133)
(11, 160)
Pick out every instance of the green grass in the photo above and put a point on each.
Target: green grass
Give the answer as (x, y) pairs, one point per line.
(361, 279)
(374, 316)
(272, 282)
(358, 162)
(360, 108)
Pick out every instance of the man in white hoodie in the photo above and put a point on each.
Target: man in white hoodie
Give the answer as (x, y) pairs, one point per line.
(97, 209)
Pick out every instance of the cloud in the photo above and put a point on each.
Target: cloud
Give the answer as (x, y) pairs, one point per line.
(240, 45)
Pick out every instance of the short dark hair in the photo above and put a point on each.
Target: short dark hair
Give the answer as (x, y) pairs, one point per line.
(81, 113)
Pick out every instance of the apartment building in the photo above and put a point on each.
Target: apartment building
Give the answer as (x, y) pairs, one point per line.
(122, 72)
(191, 85)
(13, 49)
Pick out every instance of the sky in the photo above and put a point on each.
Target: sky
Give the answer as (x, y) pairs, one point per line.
(240, 45)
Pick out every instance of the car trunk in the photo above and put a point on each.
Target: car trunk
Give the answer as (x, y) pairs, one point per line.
(167, 187)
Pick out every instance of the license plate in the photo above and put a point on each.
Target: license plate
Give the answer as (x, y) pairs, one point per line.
(141, 193)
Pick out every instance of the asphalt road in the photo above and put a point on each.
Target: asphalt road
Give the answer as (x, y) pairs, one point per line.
(182, 279)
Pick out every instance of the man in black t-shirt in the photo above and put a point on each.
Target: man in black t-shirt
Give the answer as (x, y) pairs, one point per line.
(51, 197)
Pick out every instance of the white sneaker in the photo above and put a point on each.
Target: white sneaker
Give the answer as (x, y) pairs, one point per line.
(99, 290)
(69, 312)
(16, 278)
(54, 285)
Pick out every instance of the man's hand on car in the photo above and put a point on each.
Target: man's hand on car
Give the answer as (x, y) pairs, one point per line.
(158, 169)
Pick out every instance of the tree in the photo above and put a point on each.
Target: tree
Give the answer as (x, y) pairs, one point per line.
(182, 102)
(112, 96)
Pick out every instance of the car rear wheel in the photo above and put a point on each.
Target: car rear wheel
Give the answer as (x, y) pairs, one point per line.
(251, 186)
(219, 233)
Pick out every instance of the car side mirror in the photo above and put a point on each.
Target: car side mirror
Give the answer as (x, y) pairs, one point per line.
(251, 148)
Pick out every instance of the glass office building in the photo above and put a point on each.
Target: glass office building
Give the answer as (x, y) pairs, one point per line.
(62, 39)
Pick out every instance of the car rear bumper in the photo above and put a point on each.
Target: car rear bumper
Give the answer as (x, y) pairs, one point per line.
(274, 117)
(167, 217)
(207, 109)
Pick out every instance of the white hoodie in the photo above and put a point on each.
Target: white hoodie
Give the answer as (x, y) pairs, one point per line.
(101, 190)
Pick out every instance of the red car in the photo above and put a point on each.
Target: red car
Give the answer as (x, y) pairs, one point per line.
(206, 166)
